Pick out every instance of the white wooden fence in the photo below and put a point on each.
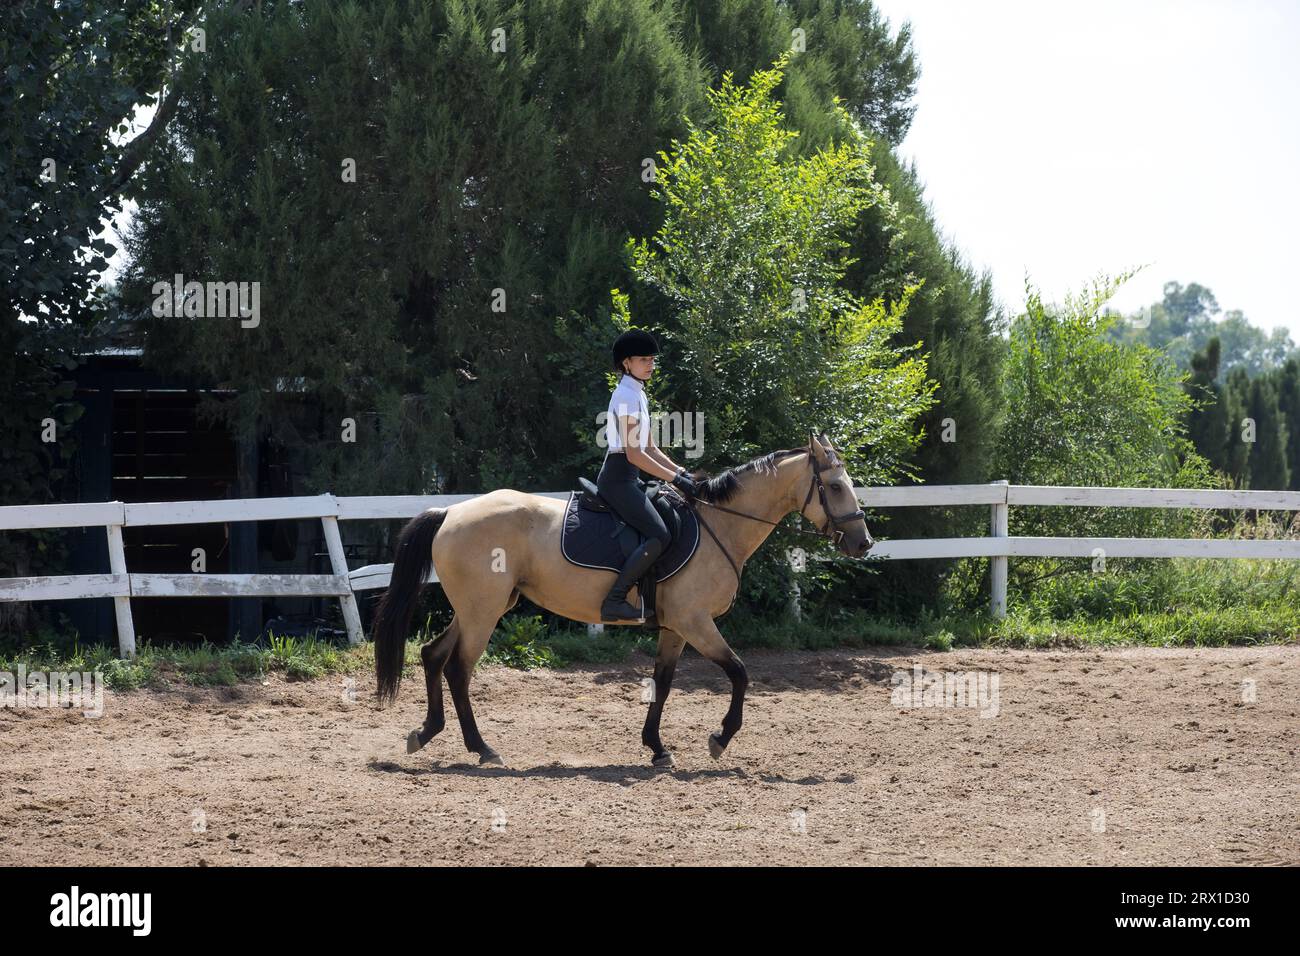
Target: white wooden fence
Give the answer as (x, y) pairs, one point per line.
(121, 585)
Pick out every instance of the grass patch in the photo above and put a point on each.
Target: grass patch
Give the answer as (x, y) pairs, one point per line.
(520, 642)
(526, 642)
(50, 656)
(201, 665)
(1188, 627)
(612, 646)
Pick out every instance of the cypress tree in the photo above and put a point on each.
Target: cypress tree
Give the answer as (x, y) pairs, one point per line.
(497, 177)
(1268, 455)
(1207, 422)
(1236, 394)
(1288, 400)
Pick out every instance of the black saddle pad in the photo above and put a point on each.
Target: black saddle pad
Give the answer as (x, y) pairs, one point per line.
(588, 539)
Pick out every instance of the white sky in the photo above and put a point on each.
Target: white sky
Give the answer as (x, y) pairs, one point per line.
(1067, 139)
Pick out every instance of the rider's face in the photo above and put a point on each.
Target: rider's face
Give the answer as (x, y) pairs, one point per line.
(642, 366)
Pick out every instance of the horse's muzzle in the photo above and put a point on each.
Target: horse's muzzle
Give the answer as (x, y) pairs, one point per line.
(853, 546)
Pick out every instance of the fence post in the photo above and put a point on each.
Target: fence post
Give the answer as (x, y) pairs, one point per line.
(339, 562)
(121, 605)
(998, 528)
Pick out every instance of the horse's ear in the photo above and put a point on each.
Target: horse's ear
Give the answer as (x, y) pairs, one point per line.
(828, 450)
(815, 449)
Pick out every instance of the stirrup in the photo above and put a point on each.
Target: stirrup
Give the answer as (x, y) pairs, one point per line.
(618, 614)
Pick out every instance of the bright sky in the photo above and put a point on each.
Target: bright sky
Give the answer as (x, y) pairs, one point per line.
(1067, 139)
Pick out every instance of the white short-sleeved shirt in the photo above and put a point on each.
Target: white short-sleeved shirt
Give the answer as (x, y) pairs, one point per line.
(627, 401)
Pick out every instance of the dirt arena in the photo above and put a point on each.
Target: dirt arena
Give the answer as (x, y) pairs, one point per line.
(1118, 757)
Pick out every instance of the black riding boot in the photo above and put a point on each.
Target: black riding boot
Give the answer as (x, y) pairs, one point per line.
(616, 606)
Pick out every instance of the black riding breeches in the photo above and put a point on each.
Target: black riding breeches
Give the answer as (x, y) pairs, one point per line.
(617, 483)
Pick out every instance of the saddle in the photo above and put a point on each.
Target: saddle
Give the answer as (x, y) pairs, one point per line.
(594, 536)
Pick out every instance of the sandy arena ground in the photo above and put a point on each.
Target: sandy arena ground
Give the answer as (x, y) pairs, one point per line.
(1118, 757)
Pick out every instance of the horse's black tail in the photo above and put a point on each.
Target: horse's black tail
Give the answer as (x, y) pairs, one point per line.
(393, 616)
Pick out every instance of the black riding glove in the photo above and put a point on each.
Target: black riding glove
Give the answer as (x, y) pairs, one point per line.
(686, 483)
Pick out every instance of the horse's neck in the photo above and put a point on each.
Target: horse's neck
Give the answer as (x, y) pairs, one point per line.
(769, 496)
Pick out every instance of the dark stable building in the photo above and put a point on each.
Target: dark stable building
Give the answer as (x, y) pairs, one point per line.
(141, 439)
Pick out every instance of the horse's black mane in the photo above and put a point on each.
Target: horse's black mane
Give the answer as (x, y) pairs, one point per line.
(721, 488)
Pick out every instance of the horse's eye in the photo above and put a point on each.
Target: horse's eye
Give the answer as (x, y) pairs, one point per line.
(835, 486)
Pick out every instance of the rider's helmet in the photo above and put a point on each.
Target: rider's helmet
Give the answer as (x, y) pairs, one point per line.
(633, 342)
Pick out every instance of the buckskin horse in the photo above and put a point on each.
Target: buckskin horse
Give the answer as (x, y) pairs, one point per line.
(491, 549)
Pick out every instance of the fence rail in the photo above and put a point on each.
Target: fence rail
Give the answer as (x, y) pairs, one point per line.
(121, 585)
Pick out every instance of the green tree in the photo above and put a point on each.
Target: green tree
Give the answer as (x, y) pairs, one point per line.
(1268, 453)
(1236, 395)
(750, 255)
(1208, 427)
(955, 316)
(1185, 321)
(852, 52)
(73, 71)
(1082, 409)
(764, 340)
(493, 192)
(1288, 400)
(849, 51)
(1246, 428)
(1251, 347)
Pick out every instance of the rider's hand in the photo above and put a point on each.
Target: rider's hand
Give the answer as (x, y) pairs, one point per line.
(686, 483)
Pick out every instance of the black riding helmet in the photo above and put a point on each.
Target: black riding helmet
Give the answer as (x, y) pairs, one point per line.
(633, 342)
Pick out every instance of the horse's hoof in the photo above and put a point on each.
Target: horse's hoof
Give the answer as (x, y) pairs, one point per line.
(491, 759)
(413, 742)
(666, 760)
(716, 746)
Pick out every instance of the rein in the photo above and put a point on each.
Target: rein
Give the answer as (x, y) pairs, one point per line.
(832, 520)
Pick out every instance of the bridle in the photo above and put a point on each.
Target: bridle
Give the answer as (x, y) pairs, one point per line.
(832, 520)
(816, 484)
(830, 529)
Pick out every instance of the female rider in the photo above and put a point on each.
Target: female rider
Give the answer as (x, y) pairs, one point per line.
(630, 447)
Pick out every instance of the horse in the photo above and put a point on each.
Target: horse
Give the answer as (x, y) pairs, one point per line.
(491, 549)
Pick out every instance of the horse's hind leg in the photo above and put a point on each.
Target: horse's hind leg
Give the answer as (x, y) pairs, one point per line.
(434, 656)
(459, 671)
(474, 637)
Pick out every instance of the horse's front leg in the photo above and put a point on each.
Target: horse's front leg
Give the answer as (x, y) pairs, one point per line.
(703, 635)
(734, 668)
(670, 649)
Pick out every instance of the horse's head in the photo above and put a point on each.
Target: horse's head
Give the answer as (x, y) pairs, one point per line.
(831, 503)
